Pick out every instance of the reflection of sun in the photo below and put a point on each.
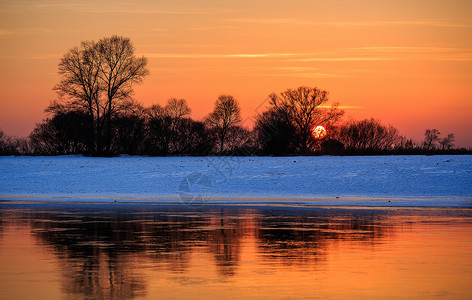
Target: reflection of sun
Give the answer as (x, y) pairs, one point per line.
(319, 132)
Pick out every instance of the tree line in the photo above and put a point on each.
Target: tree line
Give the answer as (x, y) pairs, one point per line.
(96, 114)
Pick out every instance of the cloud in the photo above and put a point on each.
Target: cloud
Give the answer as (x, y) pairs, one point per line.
(342, 106)
(32, 31)
(343, 59)
(420, 53)
(342, 55)
(407, 49)
(39, 56)
(297, 75)
(204, 28)
(424, 22)
(4, 32)
(107, 8)
(236, 55)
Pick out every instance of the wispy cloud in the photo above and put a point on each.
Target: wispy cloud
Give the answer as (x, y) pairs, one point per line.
(236, 55)
(342, 55)
(158, 11)
(4, 32)
(343, 106)
(223, 27)
(417, 53)
(39, 56)
(342, 59)
(296, 75)
(32, 31)
(292, 21)
(106, 8)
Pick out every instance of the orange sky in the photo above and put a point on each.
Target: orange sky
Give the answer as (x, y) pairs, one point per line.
(408, 63)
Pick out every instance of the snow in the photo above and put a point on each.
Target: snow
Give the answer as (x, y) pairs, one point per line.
(435, 181)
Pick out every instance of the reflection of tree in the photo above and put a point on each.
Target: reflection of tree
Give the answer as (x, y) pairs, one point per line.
(2, 223)
(305, 235)
(224, 241)
(99, 251)
(94, 253)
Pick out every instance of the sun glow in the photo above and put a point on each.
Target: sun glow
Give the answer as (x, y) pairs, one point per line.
(319, 132)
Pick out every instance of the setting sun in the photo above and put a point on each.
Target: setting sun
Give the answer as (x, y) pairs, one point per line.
(319, 132)
(249, 49)
(235, 149)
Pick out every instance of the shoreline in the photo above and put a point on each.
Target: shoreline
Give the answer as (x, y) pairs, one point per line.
(421, 203)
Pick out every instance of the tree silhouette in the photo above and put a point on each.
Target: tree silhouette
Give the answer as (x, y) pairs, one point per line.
(3, 143)
(368, 134)
(12, 145)
(64, 133)
(447, 142)
(171, 131)
(177, 108)
(98, 78)
(275, 133)
(225, 115)
(431, 137)
(303, 107)
(129, 131)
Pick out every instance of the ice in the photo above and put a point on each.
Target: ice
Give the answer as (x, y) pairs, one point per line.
(320, 180)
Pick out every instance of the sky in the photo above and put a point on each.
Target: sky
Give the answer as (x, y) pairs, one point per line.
(407, 63)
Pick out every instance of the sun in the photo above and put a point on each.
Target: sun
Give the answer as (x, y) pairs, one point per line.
(319, 132)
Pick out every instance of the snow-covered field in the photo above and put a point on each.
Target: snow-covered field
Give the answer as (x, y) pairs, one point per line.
(357, 181)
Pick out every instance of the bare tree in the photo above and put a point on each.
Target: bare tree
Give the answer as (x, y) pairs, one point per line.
(13, 145)
(79, 88)
(225, 115)
(431, 137)
(177, 108)
(120, 69)
(98, 78)
(447, 142)
(368, 134)
(304, 107)
(276, 134)
(165, 126)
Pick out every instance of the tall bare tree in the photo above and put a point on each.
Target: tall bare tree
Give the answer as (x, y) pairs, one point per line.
(225, 115)
(368, 134)
(164, 125)
(447, 142)
(431, 137)
(98, 78)
(304, 108)
(177, 108)
(120, 69)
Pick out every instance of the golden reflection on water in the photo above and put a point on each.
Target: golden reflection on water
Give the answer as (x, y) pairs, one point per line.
(180, 252)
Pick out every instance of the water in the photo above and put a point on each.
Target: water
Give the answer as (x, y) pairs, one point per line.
(60, 251)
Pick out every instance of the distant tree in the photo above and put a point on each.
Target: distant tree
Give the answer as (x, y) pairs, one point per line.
(447, 142)
(12, 145)
(368, 134)
(177, 108)
(44, 139)
(240, 141)
(165, 126)
(304, 108)
(405, 144)
(225, 115)
(431, 137)
(98, 78)
(275, 132)
(129, 131)
(3, 150)
(193, 138)
(64, 133)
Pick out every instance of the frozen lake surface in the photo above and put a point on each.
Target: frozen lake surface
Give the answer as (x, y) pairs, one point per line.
(325, 180)
(103, 251)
